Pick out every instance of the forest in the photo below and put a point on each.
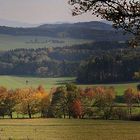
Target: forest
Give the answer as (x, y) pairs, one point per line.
(94, 62)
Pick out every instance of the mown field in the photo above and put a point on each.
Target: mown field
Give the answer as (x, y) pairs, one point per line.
(60, 129)
(8, 42)
(48, 83)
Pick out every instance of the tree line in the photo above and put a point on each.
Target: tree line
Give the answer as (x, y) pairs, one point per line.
(68, 101)
(91, 63)
(121, 66)
(50, 61)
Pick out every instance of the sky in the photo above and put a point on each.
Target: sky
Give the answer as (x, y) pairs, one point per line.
(40, 11)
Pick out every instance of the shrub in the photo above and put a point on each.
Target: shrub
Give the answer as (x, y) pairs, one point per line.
(135, 117)
(120, 113)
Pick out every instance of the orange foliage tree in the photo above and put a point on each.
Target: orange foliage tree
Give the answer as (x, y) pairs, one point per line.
(7, 102)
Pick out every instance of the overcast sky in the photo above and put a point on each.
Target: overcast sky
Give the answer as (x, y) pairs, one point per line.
(39, 11)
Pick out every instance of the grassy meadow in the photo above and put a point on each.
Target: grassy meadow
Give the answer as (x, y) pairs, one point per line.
(8, 42)
(60, 129)
(48, 83)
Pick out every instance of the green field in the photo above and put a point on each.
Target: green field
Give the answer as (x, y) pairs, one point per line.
(48, 83)
(60, 129)
(18, 82)
(8, 42)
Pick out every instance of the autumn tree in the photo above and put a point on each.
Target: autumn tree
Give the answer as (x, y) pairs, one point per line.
(87, 97)
(137, 95)
(124, 14)
(77, 109)
(137, 98)
(44, 100)
(104, 100)
(27, 101)
(10, 102)
(129, 96)
(3, 93)
(7, 102)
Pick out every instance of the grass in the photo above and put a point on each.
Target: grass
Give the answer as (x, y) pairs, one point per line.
(60, 129)
(8, 42)
(19, 82)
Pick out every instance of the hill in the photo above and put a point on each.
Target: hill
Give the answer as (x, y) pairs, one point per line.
(86, 25)
(97, 31)
(13, 23)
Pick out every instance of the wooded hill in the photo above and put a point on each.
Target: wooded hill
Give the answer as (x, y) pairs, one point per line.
(96, 31)
(106, 59)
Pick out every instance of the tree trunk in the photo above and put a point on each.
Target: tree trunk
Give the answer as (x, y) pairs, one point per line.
(11, 116)
(29, 112)
(64, 113)
(130, 111)
(30, 116)
(69, 115)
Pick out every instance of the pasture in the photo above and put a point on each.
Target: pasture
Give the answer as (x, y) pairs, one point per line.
(20, 81)
(8, 42)
(60, 129)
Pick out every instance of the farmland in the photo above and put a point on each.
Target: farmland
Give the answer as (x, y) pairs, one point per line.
(60, 129)
(48, 83)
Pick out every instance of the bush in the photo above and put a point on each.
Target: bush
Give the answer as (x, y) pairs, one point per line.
(120, 113)
(138, 87)
(135, 117)
(89, 113)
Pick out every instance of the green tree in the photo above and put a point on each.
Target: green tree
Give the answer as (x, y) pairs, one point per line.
(63, 100)
(72, 95)
(59, 102)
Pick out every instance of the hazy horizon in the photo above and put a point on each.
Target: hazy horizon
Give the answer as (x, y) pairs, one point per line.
(38, 12)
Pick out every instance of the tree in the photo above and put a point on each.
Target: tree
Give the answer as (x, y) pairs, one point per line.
(137, 98)
(59, 103)
(77, 110)
(123, 13)
(10, 102)
(27, 101)
(104, 100)
(72, 96)
(129, 96)
(7, 102)
(42, 71)
(43, 100)
(64, 100)
(138, 87)
(87, 98)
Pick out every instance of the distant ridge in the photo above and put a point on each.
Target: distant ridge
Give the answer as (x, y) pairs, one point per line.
(94, 30)
(12, 23)
(97, 25)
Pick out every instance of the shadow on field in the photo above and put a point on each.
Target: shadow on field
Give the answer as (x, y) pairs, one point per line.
(60, 82)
